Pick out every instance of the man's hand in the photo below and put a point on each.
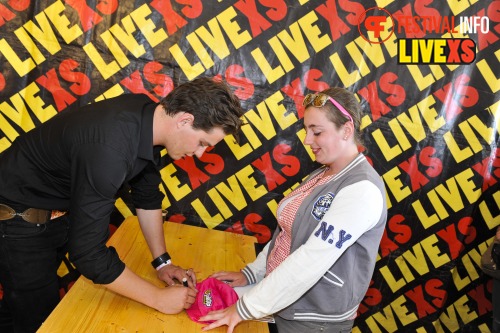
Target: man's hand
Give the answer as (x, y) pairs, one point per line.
(229, 316)
(174, 299)
(169, 300)
(234, 279)
(170, 272)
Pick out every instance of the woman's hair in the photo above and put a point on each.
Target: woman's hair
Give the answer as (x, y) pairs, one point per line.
(350, 104)
(210, 102)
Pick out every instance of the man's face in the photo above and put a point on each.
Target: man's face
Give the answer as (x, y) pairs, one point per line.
(177, 135)
(189, 141)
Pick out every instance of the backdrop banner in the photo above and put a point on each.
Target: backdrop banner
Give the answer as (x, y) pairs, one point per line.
(426, 73)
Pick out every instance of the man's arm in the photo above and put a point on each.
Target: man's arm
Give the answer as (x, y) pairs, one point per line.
(168, 300)
(151, 222)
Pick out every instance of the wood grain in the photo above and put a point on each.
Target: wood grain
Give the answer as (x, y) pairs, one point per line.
(90, 308)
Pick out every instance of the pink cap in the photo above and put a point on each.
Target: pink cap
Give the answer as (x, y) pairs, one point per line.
(212, 295)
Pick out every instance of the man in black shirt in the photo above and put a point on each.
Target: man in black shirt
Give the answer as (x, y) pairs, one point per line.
(74, 165)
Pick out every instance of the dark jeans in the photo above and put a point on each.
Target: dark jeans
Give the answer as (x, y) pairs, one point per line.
(30, 255)
(496, 306)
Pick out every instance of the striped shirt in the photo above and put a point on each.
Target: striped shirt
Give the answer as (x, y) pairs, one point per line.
(287, 209)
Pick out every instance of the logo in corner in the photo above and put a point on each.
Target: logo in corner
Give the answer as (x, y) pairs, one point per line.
(376, 25)
(436, 51)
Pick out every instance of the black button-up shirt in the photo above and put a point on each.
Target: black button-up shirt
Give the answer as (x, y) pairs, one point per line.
(77, 161)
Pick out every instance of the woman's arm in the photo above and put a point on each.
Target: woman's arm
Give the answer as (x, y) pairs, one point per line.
(356, 209)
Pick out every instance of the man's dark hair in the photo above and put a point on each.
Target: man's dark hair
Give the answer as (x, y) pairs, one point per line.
(210, 102)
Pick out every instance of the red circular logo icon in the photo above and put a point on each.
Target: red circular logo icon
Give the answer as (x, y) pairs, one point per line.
(376, 25)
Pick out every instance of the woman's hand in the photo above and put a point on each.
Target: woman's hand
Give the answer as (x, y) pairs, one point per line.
(234, 279)
(170, 272)
(229, 316)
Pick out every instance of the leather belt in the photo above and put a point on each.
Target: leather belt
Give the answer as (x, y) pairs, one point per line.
(31, 215)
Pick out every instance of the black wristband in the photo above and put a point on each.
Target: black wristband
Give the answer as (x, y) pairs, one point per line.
(163, 259)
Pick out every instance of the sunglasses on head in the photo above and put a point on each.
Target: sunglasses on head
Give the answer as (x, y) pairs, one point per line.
(319, 100)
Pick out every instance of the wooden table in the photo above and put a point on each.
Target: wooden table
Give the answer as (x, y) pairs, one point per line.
(92, 308)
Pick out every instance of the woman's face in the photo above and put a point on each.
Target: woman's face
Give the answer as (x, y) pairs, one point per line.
(326, 141)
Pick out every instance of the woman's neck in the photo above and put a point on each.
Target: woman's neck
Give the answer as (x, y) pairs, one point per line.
(338, 165)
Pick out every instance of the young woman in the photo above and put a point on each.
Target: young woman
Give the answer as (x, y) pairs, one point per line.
(314, 273)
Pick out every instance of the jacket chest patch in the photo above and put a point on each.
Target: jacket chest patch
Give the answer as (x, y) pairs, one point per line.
(322, 205)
